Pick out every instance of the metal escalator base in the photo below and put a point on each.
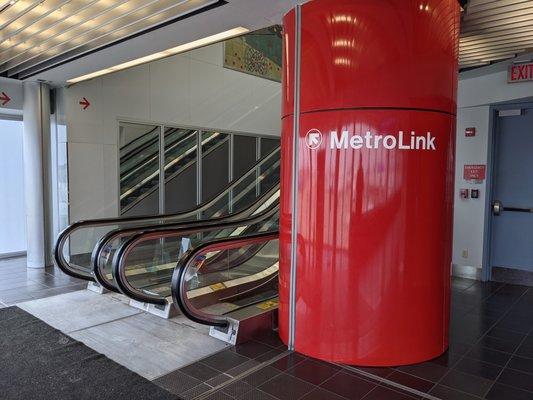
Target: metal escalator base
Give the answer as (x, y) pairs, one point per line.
(248, 322)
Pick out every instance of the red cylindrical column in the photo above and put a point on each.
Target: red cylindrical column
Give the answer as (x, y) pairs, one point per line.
(375, 171)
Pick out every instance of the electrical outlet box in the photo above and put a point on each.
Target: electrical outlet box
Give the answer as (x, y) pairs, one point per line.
(465, 253)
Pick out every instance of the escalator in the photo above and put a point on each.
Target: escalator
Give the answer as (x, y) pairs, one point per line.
(250, 194)
(143, 265)
(76, 243)
(237, 299)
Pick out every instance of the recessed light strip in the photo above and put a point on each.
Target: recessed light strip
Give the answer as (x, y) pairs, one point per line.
(166, 53)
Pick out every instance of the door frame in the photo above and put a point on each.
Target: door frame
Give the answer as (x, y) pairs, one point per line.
(492, 153)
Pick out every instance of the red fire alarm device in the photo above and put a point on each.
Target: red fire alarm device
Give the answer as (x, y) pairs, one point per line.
(470, 132)
(464, 194)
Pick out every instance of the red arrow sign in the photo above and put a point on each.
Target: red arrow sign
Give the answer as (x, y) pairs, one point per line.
(85, 103)
(5, 98)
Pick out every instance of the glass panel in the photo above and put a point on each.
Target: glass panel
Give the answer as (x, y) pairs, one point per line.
(215, 159)
(180, 169)
(246, 201)
(244, 154)
(222, 282)
(149, 266)
(12, 211)
(268, 145)
(139, 169)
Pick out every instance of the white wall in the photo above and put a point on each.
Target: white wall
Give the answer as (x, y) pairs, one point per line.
(469, 215)
(13, 89)
(478, 90)
(189, 89)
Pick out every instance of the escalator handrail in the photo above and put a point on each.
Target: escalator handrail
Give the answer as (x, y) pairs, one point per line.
(122, 253)
(64, 266)
(109, 237)
(179, 294)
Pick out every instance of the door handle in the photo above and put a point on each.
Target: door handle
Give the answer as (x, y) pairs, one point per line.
(497, 207)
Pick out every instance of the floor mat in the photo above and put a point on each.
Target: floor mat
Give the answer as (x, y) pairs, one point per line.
(40, 362)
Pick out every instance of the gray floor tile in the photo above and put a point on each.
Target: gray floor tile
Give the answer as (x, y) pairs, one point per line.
(150, 345)
(78, 310)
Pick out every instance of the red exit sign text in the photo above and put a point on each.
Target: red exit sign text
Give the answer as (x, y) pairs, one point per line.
(520, 72)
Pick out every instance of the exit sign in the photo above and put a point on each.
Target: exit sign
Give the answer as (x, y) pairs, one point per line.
(520, 72)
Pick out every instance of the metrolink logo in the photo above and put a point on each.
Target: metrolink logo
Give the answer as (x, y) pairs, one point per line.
(403, 141)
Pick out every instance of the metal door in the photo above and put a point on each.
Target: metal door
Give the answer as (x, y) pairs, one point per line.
(512, 194)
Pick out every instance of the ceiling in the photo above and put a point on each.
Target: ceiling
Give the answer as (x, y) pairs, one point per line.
(36, 34)
(495, 30)
(56, 40)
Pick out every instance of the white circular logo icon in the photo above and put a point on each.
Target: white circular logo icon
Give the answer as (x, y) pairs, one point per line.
(313, 139)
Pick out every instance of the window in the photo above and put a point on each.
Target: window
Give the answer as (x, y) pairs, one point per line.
(12, 211)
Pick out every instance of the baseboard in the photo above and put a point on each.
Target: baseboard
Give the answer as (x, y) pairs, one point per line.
(465, 271)
(513, 276)
(17, 254)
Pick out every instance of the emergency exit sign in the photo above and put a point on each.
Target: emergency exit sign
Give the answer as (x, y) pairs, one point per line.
(520, 72)
(476, 173)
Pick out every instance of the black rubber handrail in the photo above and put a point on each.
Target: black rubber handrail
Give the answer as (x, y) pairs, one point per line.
(108, 238)
(179, 293)
(76, 271)
(121, 255)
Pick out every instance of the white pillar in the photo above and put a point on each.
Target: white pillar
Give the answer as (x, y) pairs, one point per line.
(37, 188)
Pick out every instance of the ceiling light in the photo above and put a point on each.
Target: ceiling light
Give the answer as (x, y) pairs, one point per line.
(173, 51)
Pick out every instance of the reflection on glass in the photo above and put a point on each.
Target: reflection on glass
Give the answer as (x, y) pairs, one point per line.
(218, 283)
(139, 169)
(150, 264)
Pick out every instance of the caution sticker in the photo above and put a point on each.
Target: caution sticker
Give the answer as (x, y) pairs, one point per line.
(217, 286)
(267, 305)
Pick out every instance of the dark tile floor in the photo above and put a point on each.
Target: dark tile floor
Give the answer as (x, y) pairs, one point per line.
(18, 284)
(490, 357)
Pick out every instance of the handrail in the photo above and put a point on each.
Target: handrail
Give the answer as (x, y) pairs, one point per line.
(122, 253)
(108, 238)
(179, 294)
(64, 266)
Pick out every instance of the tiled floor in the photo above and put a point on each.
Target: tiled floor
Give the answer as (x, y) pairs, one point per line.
(148, 345)
(18, 284)
(490, 357)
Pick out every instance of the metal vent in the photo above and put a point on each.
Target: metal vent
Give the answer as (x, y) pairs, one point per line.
(494, 30)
